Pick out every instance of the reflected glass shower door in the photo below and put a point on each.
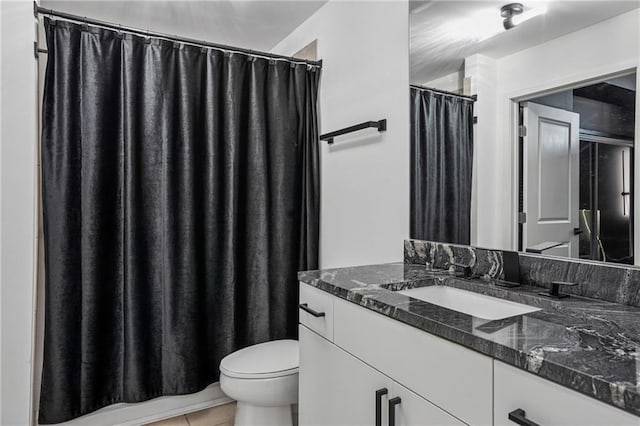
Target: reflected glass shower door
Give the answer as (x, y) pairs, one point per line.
(606, 191)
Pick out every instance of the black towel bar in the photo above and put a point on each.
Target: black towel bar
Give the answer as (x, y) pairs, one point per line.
(381, 125)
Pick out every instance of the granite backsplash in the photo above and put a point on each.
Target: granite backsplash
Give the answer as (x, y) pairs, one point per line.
(613, 283)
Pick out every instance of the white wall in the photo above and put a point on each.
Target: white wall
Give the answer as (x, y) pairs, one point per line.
(482, 71)
(578, 58)
(17, 212)
(364, 176)
(453, 82)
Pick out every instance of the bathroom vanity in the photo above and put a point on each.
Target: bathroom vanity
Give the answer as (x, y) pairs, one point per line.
(373, 354)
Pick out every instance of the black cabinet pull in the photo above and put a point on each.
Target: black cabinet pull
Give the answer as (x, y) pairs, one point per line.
(379, 394)
(306, 308)
(392, 410)
(520, 417)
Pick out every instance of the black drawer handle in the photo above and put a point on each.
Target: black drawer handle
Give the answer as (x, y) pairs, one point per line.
(520, 417)
(379, 394)
(392, 410)
(305, 307)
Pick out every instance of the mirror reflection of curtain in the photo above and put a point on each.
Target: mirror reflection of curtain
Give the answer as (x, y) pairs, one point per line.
(441, 166)
(181, 197)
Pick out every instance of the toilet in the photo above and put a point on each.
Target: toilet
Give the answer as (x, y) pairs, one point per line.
(263, 379)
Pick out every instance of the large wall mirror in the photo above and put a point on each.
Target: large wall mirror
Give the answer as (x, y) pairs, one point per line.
(524, 121)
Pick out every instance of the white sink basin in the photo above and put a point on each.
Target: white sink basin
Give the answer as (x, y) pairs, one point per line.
(468, 302)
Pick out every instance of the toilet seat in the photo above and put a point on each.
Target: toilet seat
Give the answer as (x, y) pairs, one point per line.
(266, 360)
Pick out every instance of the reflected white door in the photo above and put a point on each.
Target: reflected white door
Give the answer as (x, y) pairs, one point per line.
(551, 178)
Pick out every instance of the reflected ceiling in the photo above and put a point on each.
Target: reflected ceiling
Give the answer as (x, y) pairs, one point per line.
(443, 33)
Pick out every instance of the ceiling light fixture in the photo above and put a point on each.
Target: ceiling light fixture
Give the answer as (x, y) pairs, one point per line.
(508, 12)
(482, 24)
(514, 14)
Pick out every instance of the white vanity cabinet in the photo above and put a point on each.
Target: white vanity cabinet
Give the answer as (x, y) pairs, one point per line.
(412, 410)
(337, 389)
(454, 378)
(349, 353)
(540, 402)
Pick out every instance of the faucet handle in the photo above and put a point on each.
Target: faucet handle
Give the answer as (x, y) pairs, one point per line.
(467, 269)
(554, 289)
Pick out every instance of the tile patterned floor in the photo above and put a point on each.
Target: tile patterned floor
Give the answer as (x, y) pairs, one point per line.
(221, 415)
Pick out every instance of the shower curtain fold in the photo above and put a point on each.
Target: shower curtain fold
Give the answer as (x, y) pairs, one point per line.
(180, 196)
(441, 167)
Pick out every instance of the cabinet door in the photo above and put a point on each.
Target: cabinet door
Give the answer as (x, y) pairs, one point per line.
(451, 376)
(337, 389)
(416, 411)
(549, 404)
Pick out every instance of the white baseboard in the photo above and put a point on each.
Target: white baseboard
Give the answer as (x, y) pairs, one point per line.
(153, 410)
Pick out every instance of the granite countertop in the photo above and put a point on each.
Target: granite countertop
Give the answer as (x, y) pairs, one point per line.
(587, 345)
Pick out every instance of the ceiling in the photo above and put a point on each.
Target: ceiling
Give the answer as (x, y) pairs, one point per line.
(443, 33)
(257, 25)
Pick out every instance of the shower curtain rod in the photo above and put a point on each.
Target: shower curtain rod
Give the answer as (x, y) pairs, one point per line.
(444, 92)
(38, 10)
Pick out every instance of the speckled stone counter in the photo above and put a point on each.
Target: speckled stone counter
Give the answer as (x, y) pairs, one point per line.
(587, 345)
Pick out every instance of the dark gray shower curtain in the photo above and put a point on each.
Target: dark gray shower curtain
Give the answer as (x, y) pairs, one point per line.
(441, 166)
(180, 199)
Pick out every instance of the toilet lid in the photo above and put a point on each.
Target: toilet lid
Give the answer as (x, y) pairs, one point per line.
(270, 359)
